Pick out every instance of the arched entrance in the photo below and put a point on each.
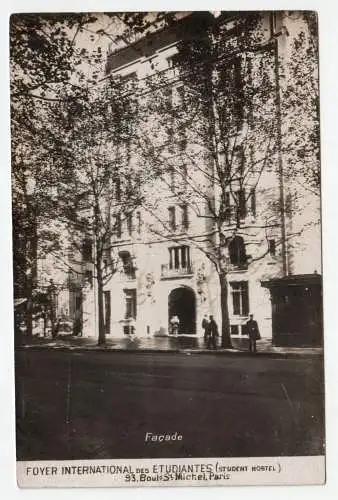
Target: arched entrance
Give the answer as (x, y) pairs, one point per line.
(182, 303)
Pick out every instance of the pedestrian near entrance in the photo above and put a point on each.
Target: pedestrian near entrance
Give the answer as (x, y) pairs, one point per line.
(175, 323)
(205, 325)
(212, 333)
(252, 331)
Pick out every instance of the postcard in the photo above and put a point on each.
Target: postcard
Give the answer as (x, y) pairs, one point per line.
(167, 258)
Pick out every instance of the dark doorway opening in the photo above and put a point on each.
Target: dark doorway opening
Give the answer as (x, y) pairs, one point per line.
(182, 303)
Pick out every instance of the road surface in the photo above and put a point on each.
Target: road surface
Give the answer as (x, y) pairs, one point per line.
(85, 405)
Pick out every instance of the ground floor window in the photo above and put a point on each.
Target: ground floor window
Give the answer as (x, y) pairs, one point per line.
(240, 298)
(236, 330)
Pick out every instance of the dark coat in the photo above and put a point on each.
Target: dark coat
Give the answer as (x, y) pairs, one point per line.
(252, 329)
(213, 328)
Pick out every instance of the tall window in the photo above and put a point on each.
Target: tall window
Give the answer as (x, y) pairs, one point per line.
(184, 173)
(117, 189)
(130, 297)
(238, 106)
(128, 266)
(172, 218)
(130, 224)
(253, 201)
(118, 226)
(227, 207)
(172, 179)
(240, 161)
(240, 297)
(179, 257)
(184, 215)
(241, 204)
(237, 252)
(183, 141)
(87, 249)
(272, 247)
(138, 222)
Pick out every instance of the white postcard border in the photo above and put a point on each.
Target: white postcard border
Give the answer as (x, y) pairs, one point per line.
(308, 470)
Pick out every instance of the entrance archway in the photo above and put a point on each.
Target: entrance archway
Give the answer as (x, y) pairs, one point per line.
(182, 303)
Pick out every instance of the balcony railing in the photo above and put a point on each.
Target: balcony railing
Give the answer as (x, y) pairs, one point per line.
(238, 267)
(167, 272)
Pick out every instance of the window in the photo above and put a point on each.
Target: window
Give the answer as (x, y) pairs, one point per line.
(179, 257)
(172, 179)
(130, 224)
(241, 204)
(184, 214)
(232, 76)
(138, 222)
(130, 297)
(87, 249)
(184, 174)
(239, 161)
(234, 330)
(183, 140)
(127, 261)
(168, 97)
(172, 218)
(272, 247)
(237, 252)
(253, 201)
(117, 189)
(240, 298)
(118, 226)
(170, 61)
(227, 207)
(238, 87)
(128, 80)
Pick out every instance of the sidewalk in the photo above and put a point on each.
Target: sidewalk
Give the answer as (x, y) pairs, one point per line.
(182, 344)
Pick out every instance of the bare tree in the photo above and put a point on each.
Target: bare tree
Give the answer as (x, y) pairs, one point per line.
(103, 180)
(56, 62)
(219, 129)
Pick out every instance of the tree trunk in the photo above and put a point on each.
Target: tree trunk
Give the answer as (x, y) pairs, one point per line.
(226, 339)
(102, 333)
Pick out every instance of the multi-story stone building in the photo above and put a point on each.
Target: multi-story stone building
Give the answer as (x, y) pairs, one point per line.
(166, 249)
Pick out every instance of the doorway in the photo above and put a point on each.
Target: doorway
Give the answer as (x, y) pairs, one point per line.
(182, 303)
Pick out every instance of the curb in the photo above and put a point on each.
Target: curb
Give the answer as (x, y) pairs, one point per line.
(189, 352)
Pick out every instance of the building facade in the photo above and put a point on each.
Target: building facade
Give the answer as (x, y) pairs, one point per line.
(165, 250)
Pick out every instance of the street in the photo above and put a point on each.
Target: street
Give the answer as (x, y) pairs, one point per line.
(84, 405)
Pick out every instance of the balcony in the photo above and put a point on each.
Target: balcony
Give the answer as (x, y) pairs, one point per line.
(234, 268)
(180, 272)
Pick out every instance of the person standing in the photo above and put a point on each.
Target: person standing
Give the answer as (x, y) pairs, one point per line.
(252, 331)
(205, 325)
(175, 323)
(212, 333)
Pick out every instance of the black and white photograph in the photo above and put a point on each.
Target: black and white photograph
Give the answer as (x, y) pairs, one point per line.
(167, 248)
